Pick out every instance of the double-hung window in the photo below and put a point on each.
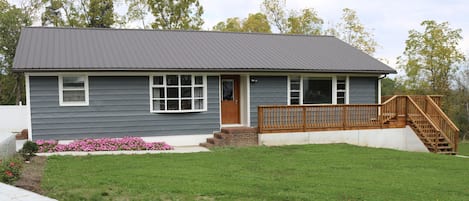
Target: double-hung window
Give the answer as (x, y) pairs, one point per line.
(178, 93)
(73, 90)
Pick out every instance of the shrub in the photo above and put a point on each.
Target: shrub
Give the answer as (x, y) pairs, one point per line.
(102, 144)
(29, 150)
(10, 170)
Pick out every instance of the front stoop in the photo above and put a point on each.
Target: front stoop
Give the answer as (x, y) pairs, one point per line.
(233, 136)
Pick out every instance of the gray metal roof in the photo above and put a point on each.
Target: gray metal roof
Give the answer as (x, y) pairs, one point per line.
(77, 49)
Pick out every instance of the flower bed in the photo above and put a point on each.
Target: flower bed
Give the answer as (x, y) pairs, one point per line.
(102, 144)
(10, 170)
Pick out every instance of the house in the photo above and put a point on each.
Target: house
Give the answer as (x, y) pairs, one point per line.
(181, 86)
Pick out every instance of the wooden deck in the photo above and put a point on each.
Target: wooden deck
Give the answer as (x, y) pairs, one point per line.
(423, 113)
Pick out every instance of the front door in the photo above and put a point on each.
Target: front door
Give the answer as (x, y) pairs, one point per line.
(230, 99)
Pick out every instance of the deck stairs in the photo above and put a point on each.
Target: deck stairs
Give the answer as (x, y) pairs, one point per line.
(436, 131)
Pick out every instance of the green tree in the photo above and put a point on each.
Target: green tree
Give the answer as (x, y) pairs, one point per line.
(256, 23)
(353, 32)
(176, 14)
(230, 25)
(82, 13)
(137, 10)
(11, 21)
(392, 86)
(276, 14)
(306, 22)
(431, 57)
(458, 102)
(52, 14)
(101, 13)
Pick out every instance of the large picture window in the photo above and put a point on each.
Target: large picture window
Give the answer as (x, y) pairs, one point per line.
(317, 90)
(73, 90)
(178, 93)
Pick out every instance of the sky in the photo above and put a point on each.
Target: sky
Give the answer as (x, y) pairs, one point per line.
(389, 21)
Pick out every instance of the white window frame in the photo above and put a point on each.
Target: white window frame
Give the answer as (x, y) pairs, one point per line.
(165, 86)
(75, 103)
(334, 87)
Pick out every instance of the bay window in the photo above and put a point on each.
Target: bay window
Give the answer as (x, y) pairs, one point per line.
(178, 93)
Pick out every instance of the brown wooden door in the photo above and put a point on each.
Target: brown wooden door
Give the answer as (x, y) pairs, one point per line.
(230, 99)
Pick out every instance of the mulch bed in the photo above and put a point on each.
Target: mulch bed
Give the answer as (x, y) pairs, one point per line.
(31, 174)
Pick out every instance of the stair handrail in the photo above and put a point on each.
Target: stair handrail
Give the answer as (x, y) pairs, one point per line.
(446, 119)
(382, 107)
(443, 114)
(390, 99)
(426, 118)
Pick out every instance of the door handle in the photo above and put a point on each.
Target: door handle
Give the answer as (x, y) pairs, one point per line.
(236, 101)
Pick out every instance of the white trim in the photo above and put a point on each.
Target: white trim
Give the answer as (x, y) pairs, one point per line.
(28, 104)
(219, 100)
(243, 99)
(86, 88)
(173, 140)
(347, 89)
(334, 90)
(301, 90)
(215, 73)
(179, 87)
(244, 102)
(288, 91)
(231, 125)
(379, 91)
(248, 100)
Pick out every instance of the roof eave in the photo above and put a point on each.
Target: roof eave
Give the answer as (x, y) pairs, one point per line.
(202, 70)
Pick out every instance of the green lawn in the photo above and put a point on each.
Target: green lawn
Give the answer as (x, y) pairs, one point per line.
(464, 148)
(306, 172)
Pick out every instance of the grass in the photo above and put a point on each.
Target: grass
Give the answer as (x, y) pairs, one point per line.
(303, 172)
(463, 148)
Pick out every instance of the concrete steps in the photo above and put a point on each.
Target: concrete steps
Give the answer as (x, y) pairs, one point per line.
(233, 136)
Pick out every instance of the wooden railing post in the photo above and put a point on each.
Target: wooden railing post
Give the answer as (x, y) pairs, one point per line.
(260, 119)
(304, 118)
(344, 117)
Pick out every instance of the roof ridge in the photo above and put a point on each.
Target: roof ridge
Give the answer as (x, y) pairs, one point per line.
(162, 30)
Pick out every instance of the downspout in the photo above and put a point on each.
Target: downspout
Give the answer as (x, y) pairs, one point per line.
(380, 78)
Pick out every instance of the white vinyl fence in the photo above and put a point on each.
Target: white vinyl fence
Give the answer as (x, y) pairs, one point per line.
(13, 118)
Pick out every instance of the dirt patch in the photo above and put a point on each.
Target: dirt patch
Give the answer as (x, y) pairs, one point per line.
(31, 174)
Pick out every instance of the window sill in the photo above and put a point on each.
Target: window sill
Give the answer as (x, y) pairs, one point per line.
(73, 104)
(177, 111)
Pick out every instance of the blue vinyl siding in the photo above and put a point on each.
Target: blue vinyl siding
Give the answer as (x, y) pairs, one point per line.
(363, 90)
(119, 106)
(269, 90)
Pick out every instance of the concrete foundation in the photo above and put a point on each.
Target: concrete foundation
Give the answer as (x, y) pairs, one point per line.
(392, 138)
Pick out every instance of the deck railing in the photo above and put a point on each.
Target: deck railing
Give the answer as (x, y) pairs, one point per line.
(302, 118)
(435, 98)
(442, 121)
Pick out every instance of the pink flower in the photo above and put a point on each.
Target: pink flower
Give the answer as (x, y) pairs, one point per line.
(9, 173)
(102, 144)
